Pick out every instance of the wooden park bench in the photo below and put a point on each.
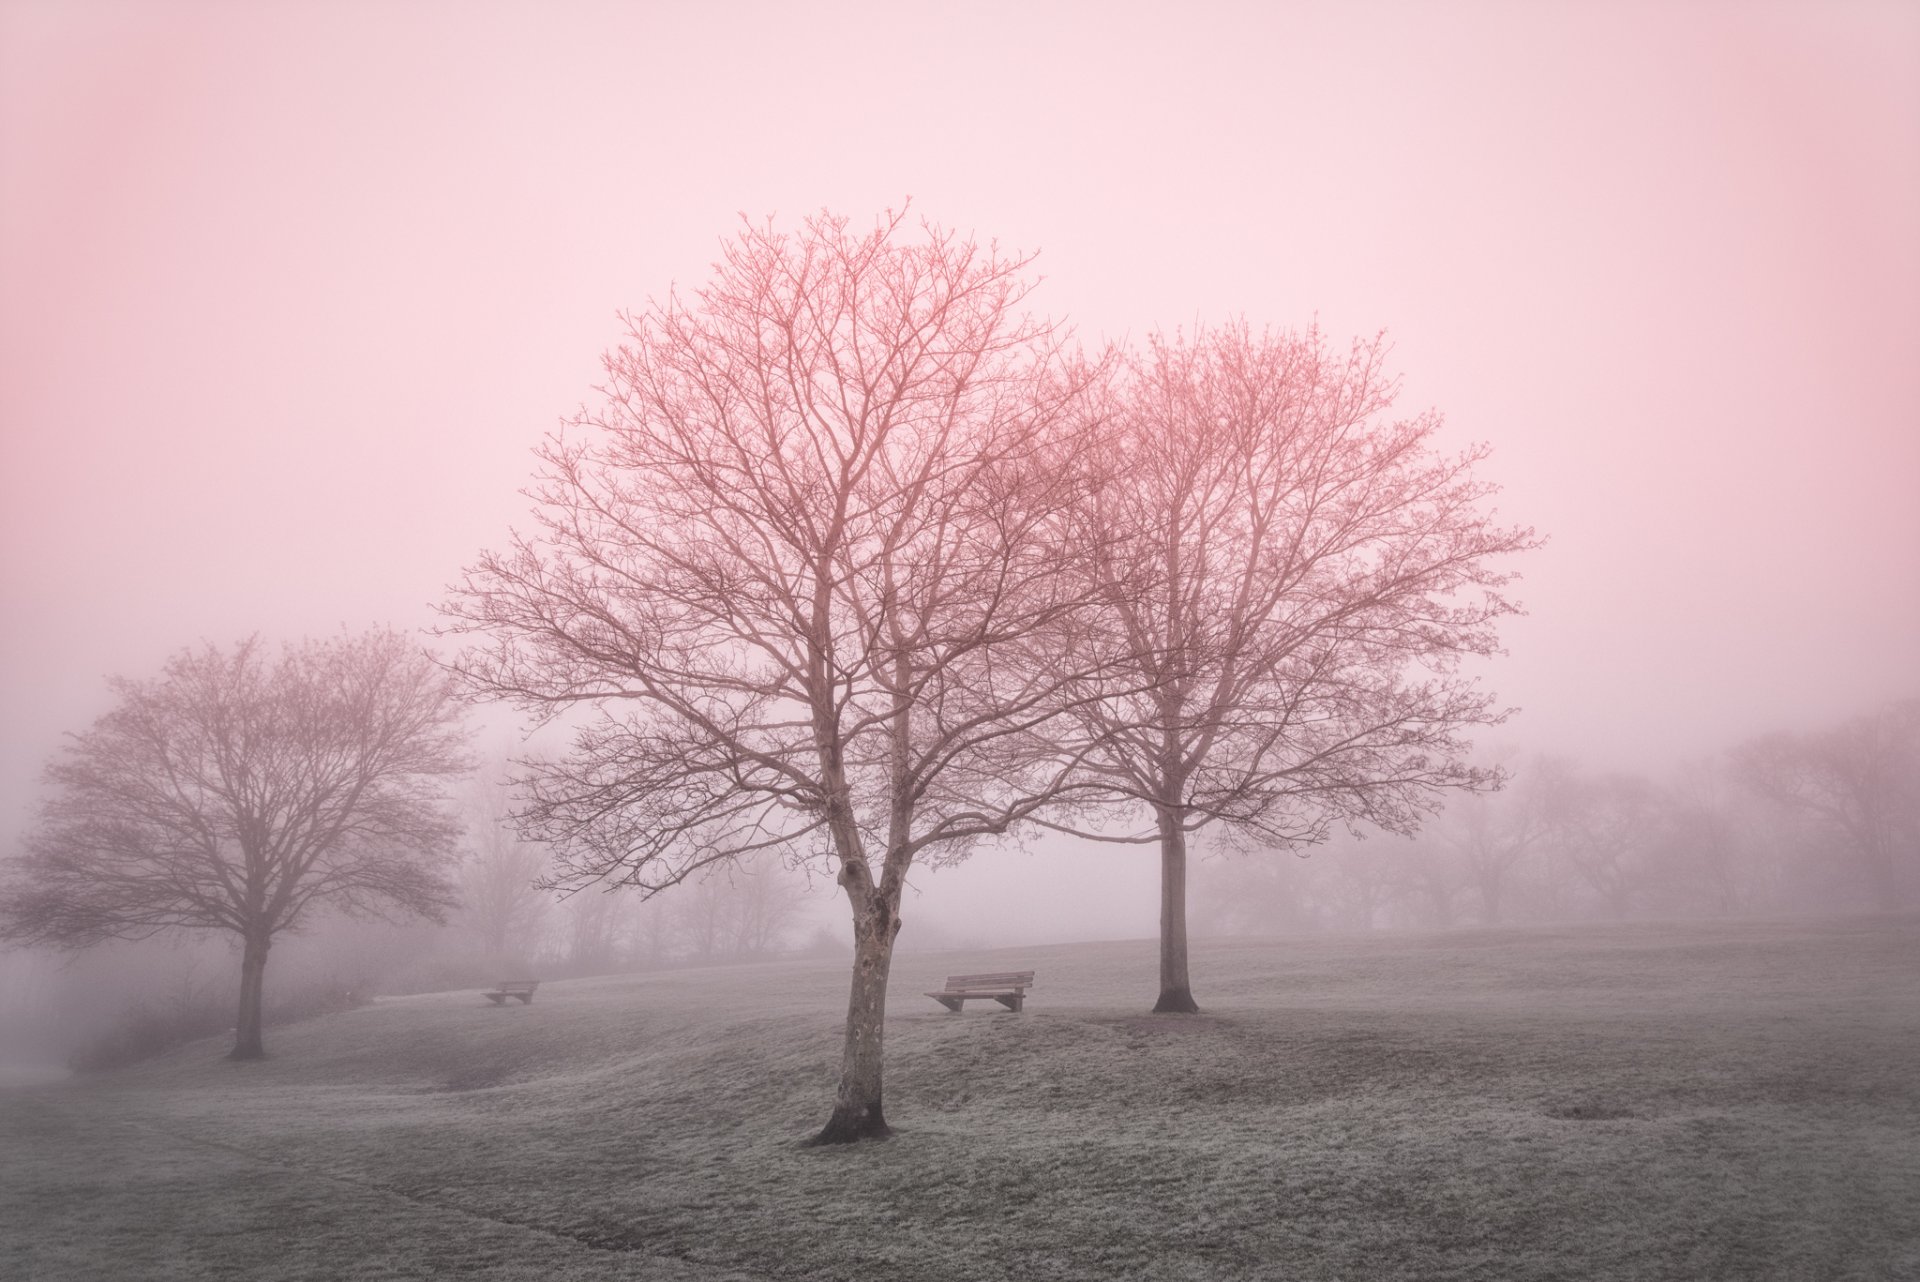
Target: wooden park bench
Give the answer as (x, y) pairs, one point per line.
(521, 988)
(1008, 987)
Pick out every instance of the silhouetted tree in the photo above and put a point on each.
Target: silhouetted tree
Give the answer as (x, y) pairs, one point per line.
(1358, 878)
(1296, 577)
(501, 901)
(737, 911)
(800, 568)
(240, 791)
(1860, 779)
(595, 932)
(1426, 877)
(1608, 827)
(1490, 833)
(1718, 857)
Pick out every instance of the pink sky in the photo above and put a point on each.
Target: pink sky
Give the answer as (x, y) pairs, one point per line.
(288, 291)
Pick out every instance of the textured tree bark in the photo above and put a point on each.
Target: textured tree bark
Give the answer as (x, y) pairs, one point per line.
(246, 1027)
(1176, 993)
(857, 1113)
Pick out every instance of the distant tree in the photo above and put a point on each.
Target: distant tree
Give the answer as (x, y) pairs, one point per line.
(1427, 877)
(739, 910)
(594, 932)
(1608, 827)
(1716, 852)
(800, 570)
(1862, 781)
(1360, 880)
(765, 902)
(1297, 578)
(501, 900)
(240, 791)
(1491, 833)
(701, 918)
(1255, 896)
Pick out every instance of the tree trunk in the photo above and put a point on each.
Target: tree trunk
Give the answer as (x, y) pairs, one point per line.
(1176, 993)
(856, 1108)
(246, 1027)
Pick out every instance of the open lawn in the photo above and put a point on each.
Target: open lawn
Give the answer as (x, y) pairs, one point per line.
(1736, 1101)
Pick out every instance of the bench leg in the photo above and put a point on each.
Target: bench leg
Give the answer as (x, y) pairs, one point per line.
(498, 999)
(1012, 1001)
(526, 999)
(951, 1003)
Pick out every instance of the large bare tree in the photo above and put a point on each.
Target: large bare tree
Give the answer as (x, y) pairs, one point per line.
(1298, 577)
(241, 790)
(798, 572)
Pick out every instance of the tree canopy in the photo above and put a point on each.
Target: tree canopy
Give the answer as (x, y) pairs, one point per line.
(1293, 576)
(803, 569)
(238, 791)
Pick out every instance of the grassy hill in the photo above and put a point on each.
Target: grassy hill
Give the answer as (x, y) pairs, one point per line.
(1673, 1102)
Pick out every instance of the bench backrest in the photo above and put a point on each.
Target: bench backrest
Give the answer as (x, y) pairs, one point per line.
(998, 979)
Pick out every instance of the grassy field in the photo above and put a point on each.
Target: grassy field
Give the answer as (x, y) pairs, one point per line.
(1734, 1101)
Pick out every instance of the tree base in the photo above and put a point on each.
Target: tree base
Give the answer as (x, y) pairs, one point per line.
(1176, 1001)
(852, 1126)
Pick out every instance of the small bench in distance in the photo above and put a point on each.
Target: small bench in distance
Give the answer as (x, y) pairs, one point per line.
(1008, 987)
(521, 988)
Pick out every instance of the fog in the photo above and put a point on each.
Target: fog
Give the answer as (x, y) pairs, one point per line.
(289, 292)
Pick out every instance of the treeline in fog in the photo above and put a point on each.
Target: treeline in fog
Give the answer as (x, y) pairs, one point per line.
(123, 1002)
(1787, 822)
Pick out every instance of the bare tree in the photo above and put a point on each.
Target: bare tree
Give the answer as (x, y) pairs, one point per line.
(799, 570)
(500, 899)
(1359, 879)
(1716, 852)
(1491, 833)
(240, 791)
(1297, 578)
(764, 904)
(1862, 781)
(738, 911)
(1254, 896)
(595, 933)
(1426, 877)
(1608, 828)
